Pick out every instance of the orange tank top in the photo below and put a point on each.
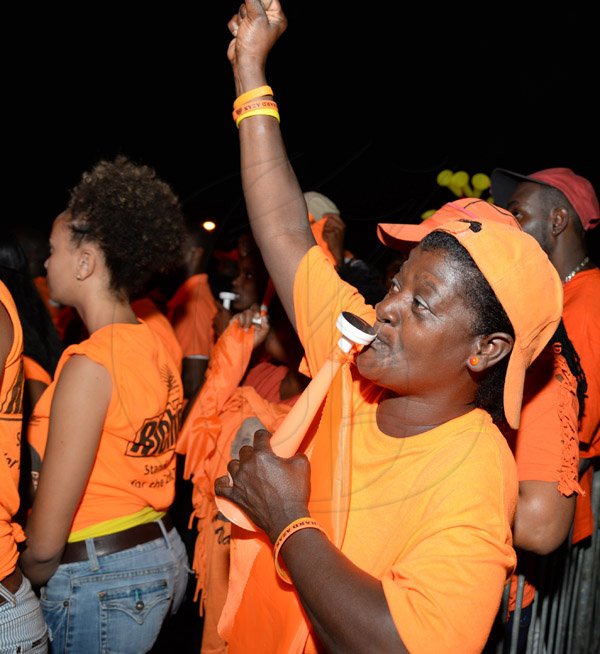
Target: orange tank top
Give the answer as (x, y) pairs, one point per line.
(135, 462)
(11, 416)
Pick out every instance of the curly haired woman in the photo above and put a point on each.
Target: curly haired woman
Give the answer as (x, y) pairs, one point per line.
(99, 544)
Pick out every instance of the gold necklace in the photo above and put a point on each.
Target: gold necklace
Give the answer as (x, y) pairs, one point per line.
(575, 270)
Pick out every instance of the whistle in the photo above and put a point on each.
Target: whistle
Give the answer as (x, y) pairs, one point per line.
(227, 298)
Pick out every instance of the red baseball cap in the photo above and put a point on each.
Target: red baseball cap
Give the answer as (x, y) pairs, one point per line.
(578, 190)
(401, 236)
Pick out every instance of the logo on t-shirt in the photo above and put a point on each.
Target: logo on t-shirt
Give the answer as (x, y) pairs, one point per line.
(12, 401)
(158, 434)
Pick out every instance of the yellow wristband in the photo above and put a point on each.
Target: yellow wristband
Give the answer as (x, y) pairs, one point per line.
(253, 104)
(250, 95)
(292, 528)
(258, 112)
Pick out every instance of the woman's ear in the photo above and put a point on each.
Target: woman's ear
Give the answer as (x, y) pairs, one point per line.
(489, 350)
(86, 263)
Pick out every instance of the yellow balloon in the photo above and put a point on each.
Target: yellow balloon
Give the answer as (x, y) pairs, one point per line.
(460, 184)
(481, 182)
(460, 178)
(444, 177)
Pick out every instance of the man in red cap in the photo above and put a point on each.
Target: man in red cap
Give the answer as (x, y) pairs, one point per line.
(557, 207)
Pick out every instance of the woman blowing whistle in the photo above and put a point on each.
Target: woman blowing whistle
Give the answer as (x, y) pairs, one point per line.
(396, 535)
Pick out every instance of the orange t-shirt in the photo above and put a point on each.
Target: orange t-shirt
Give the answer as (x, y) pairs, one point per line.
(403, 510)
(582, 320)
(135, 462)
(145, 309)
(581, 316)
(266, 377)
(191, 311)
(546, 444)
(11, 417)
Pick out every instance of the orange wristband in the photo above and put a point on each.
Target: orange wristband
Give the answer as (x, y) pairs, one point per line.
(292, 528)
(238, 112)
(250, 95)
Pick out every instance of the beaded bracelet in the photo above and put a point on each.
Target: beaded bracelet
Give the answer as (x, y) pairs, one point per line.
(293, 527)
(251, 95)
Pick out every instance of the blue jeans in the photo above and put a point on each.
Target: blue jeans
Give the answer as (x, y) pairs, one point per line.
(22, 626)
(116, 602)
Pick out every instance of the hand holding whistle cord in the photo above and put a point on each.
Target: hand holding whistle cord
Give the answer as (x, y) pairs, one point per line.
(271, 490)
(290, 434)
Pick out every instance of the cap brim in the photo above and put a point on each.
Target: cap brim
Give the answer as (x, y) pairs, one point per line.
(514, 384)
(504, 184)
(403, 236)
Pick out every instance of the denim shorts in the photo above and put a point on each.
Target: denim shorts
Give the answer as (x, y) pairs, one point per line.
(22, 626)
(117, 602)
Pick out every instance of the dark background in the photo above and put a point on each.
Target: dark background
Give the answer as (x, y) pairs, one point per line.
(376, 98)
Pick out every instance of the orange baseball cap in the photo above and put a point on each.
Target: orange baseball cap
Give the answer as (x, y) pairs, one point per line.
(527, 286)
(519, 272)
(404, 236)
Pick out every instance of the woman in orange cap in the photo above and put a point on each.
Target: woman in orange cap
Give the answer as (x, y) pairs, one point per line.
(394, 534)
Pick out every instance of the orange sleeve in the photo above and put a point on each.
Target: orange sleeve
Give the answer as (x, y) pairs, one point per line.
(191, 313)
(546, 444)
(582, 320)
(226, 368)
(319, 297)
(266, 378)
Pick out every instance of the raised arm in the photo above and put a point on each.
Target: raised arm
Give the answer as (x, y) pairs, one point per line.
(274, 200)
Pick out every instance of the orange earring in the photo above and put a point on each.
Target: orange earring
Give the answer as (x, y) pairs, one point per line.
(474, 361)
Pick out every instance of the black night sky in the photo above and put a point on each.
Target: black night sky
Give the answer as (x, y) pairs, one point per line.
(375, 98)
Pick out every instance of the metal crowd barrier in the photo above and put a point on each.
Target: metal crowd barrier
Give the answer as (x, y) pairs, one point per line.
(566, 609)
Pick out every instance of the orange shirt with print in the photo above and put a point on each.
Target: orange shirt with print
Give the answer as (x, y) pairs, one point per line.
(145, 309)
(403, 510)
(582, 320)
(134, 466)
(11, 416)
(191, 311)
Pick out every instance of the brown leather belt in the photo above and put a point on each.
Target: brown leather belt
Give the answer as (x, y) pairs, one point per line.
(12, 583)
(117, 542)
